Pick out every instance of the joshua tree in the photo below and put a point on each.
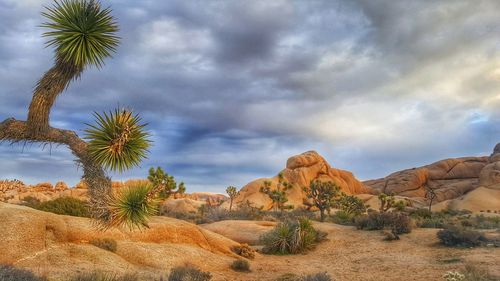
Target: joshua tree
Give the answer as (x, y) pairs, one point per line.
(431, 195)
(83, 34)
(232, 192)
(163, 184)
(386, 202)
(323, 195)
(278, 195)
(351, 204)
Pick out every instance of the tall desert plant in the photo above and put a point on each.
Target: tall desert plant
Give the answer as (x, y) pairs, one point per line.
(83, 34)
(232, 192)
(278, 195)
(323, 195)
(164, 184)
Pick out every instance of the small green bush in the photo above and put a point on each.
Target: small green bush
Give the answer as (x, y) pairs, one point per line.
(343, 218)
(456, 236)
(68, 206)
(188, 273)
(11, 273)
(291, 237)
(102, 276)
(323, 276)
(241, 265)
(107, 244)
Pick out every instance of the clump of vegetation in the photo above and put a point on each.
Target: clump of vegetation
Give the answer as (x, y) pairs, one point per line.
(453, 276)
(68, 206)
(458, 236)
(188, 273)
(164, 184)
(103, 276)
(11, 273)
(244, 250)
(291, 237)
(322, 276)
(133, 206)
(107, 244)
(323, 195)
(278, 196)
(397, 222)
(232, 192)
(241, 265)
(470, 273)
(351, 205)
(343, 218)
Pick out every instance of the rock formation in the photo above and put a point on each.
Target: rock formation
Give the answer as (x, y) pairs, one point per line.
(449, 179)
(300, 171)
(60, 245)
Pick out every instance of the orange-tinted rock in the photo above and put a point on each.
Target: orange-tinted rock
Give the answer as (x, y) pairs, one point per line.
(300, 171)
(449, 178)
(61, 186)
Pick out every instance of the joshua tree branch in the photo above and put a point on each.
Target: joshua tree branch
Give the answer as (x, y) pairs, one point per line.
(99, 184)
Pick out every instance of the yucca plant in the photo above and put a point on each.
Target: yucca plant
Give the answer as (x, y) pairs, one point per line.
(82, 34)
(132, 206)
(118, 140)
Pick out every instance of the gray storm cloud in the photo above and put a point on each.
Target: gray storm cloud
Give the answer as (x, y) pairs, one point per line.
(234, 88)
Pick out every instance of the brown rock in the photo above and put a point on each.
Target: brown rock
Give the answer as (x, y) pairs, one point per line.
(61, 186)
(449, 178)
(300, 171)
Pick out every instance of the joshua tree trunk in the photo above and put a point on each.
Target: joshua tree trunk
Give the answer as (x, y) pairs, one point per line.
(322, 214)
(47, 89)
(99, 184)
(230, 203)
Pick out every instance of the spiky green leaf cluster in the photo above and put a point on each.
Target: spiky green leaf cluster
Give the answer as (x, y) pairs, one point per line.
(82, 32)
(117, 141)
(133, 206)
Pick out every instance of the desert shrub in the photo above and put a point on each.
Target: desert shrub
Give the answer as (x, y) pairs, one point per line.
(343, 218)
(351, 205)
(11, 273)
(31, 202)
(102, 276)
(291, 237)
(474, 273)
(398, 222)
(484, 222)
(240, 265)
(456, 236)
(453, 276)
(322, 276)
(68, 206)
(244, 250)
(107, 244)
(288, 277)
(188, 273)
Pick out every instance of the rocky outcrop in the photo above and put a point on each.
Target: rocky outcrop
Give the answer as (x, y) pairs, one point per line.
(300, 171)
(60, 245)
(450, 178)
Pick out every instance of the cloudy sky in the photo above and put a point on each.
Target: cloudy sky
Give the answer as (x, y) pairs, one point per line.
(232, 88)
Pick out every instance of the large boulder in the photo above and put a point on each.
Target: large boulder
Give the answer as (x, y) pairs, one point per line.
(490, 175)
(300, 171)
(449, 179)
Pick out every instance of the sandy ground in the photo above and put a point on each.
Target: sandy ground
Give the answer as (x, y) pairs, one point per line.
(350, 254)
